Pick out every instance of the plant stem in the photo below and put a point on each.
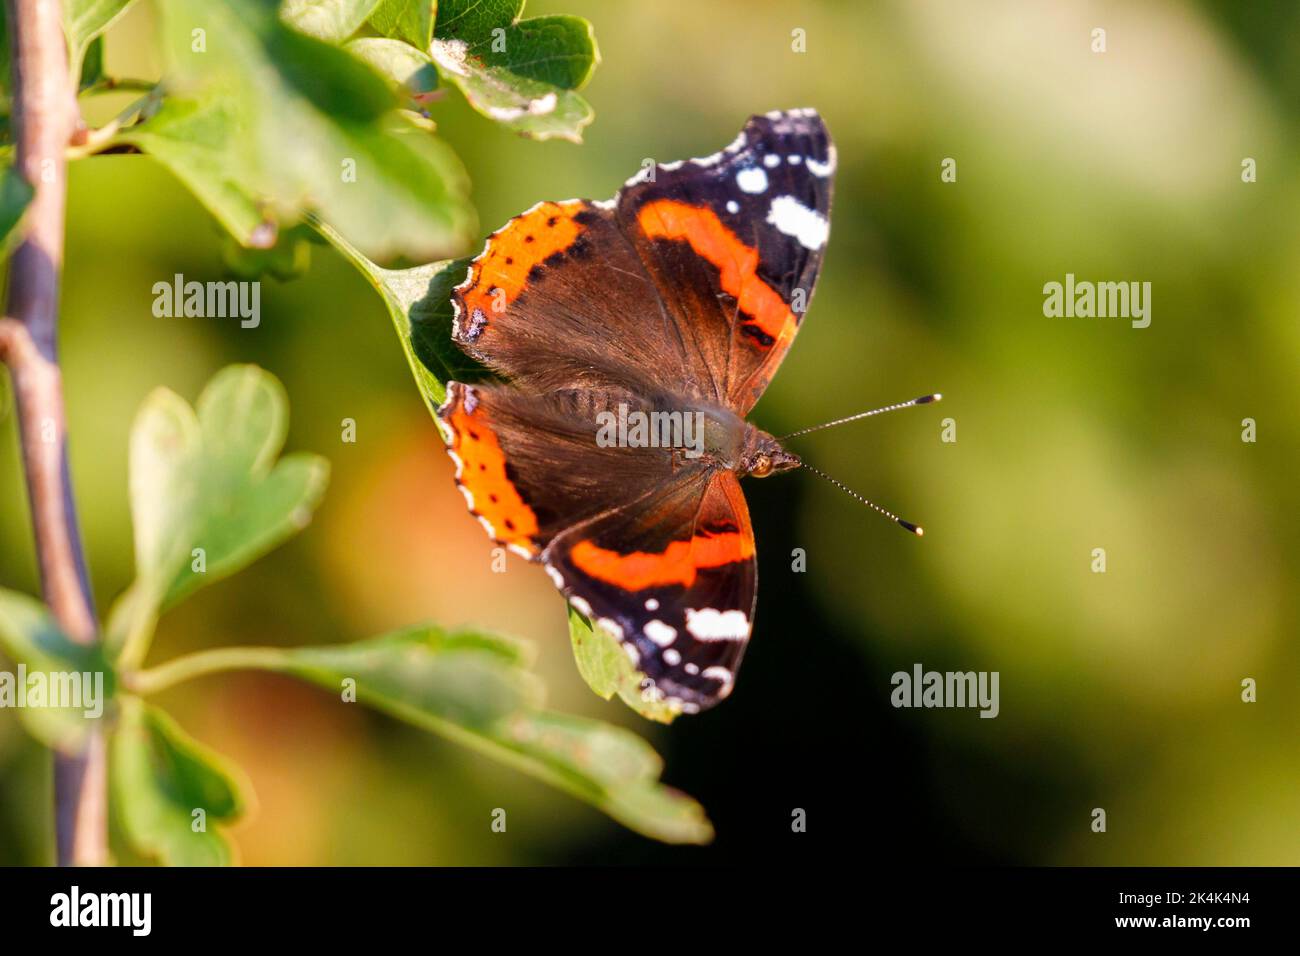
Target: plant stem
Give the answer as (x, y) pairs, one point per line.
(204, 662)
(44, 118)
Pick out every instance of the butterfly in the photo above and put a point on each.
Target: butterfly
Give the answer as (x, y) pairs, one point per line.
(633, 336)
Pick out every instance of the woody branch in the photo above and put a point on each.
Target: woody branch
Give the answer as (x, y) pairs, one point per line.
(44, 120)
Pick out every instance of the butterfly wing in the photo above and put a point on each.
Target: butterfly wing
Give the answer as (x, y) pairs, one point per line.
(674, 577)
(689, 285)
(696, 274)
(657, 550)
(734, 242)
(530, 465)
(559, 299)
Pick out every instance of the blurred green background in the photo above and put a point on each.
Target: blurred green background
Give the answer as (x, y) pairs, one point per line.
(1118, 690)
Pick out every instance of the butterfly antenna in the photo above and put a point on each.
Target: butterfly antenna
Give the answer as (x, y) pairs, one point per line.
(906, 525)
(923, 400)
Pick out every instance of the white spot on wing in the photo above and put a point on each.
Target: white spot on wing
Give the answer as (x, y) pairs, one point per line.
(752, 180)
(710, 624)
(821, 169)
(661, 633)
(793, 218)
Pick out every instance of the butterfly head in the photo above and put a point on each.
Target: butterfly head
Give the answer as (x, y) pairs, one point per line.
(765, 456)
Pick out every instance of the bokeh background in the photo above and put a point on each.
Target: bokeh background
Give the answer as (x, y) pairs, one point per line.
(1118, 690)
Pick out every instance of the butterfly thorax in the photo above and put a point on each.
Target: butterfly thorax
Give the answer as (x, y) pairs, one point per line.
(731, 443)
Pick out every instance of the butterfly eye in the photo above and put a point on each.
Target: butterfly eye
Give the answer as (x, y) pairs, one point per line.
(762, 467)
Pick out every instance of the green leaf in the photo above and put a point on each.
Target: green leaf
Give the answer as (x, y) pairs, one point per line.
(92, 64)
(521, 73)
(192, 139)
(15, 194)
(84, 21)
(209, 483)
(419, 303)
(426, 676)
(473, 689)
(608, 670)
(330, 20)
(30, 637)
(160, 777)
(407, 70)
(289, 258)
(472, 20)
(408, 20)
(267, 124)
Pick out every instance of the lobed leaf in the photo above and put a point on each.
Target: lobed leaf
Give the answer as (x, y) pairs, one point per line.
(159, 778)
(209, 482)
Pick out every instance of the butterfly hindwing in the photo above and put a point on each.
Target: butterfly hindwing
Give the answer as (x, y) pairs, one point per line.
(674, 577)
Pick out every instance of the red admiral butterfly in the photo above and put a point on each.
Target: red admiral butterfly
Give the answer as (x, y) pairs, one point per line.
(671, 304)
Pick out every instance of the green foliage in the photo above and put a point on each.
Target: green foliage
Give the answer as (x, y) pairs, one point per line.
(473, 688)
(330, 20)
(30, 636)
(209, 480)
(521, 73)
(265, 124)
(409, 71)
(321, 108)
(15, 193)
(410, 21)
(83, 22)
(169, 791)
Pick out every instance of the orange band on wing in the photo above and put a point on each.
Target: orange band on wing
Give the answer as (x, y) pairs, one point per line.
(737, 263)
(676, 564)
(500, 273)
(481, 475)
